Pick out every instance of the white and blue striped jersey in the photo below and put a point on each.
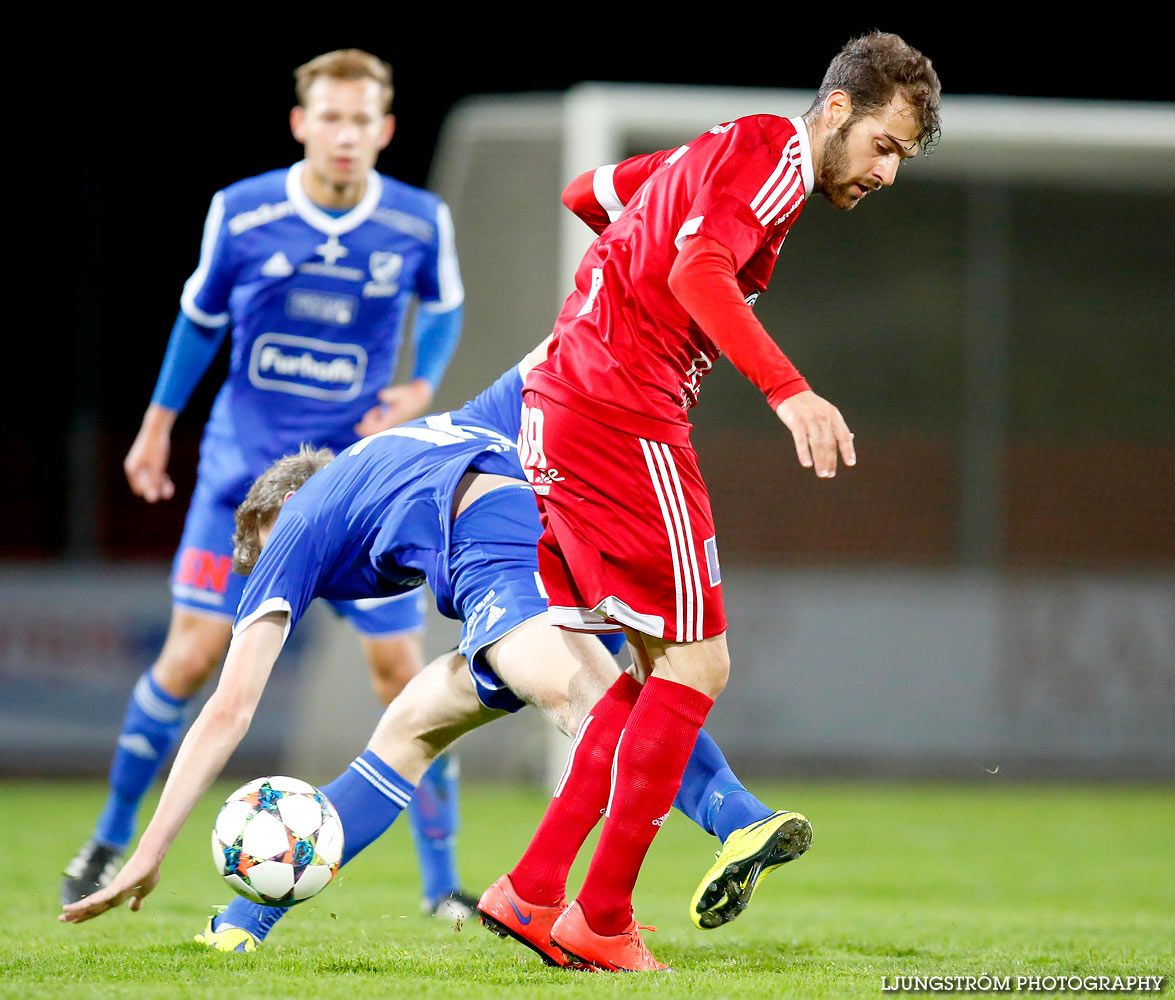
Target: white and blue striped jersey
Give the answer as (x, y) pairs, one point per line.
(316, 304)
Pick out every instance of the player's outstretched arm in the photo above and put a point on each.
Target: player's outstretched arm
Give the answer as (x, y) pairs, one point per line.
(145, 464)
(206, 748)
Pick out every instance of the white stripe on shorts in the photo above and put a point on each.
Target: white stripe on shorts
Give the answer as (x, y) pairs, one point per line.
(686, 579)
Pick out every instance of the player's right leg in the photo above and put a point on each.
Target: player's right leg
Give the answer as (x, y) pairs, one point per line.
(390, 631)
(205, 595)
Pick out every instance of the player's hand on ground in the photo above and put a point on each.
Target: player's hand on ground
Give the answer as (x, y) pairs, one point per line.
(819, 431)
(145, 466)
(136, 879)
(398, 404)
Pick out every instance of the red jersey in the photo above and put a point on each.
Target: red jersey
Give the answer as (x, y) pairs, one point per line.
(626, 352)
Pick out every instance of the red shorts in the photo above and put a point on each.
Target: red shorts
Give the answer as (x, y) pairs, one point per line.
(628, 536)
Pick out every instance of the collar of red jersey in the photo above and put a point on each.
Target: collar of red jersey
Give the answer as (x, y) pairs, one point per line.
(806, 170)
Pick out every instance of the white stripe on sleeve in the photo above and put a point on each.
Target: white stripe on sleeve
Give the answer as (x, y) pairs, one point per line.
(452, 292)
(688, 228)
(195, 284)
(604, 188)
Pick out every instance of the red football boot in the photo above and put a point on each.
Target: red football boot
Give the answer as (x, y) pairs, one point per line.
(504, 912)
(624, 952)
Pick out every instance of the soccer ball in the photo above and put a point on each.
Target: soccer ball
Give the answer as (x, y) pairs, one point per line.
(277, 841)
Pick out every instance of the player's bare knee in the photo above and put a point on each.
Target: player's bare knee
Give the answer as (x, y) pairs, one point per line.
(715, 666)
(716, 678)
(393, 662)
(193, 650)
(561, 708)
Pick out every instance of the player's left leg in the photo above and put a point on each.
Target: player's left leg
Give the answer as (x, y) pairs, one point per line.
(391, 632)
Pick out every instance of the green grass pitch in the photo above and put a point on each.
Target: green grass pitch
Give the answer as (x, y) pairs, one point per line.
(987, 878)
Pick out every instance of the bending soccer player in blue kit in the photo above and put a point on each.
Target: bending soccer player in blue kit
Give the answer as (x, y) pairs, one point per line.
(313, 267)
(439, 500)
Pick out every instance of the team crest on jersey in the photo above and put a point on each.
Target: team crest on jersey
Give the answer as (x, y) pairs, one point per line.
(385, 267)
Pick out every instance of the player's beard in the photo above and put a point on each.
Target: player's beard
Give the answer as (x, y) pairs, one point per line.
(834, 183)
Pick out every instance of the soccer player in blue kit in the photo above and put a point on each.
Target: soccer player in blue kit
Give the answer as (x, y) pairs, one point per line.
(312, 267)
(440, 500)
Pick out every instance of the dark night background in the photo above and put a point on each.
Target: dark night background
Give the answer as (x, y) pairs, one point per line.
(135, 136)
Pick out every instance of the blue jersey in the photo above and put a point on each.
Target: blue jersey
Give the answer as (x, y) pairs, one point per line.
(498, 407)
(316, 304)
(377, 520)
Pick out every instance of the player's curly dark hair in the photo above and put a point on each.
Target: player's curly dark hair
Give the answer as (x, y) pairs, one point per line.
(264, 501)
(872, 68)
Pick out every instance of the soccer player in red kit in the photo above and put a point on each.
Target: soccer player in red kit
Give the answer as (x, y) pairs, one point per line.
(687, 241)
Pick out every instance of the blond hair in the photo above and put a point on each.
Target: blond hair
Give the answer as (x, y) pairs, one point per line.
(264, 501)
(345, 64)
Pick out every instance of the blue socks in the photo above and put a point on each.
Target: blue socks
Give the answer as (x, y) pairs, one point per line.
(150, 731)
(434, 815)
(712, 796)
(368, 797)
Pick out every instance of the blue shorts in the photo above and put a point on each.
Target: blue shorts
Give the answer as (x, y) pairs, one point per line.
(495, 583)
(202, 578)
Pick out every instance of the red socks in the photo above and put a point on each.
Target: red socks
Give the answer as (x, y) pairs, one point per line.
(541, 874)
(650, 760)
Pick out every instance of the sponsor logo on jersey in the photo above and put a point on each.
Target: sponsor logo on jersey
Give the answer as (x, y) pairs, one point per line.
(332, 271)
(278, 266)
(385, 267)
(790, 212)
(306, 366)
(413, 225)
(319, 307)
(693, 380)
(259, 216)
(541, 480)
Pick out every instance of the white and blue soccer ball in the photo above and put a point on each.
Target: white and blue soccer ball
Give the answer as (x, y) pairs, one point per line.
(277, 841)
